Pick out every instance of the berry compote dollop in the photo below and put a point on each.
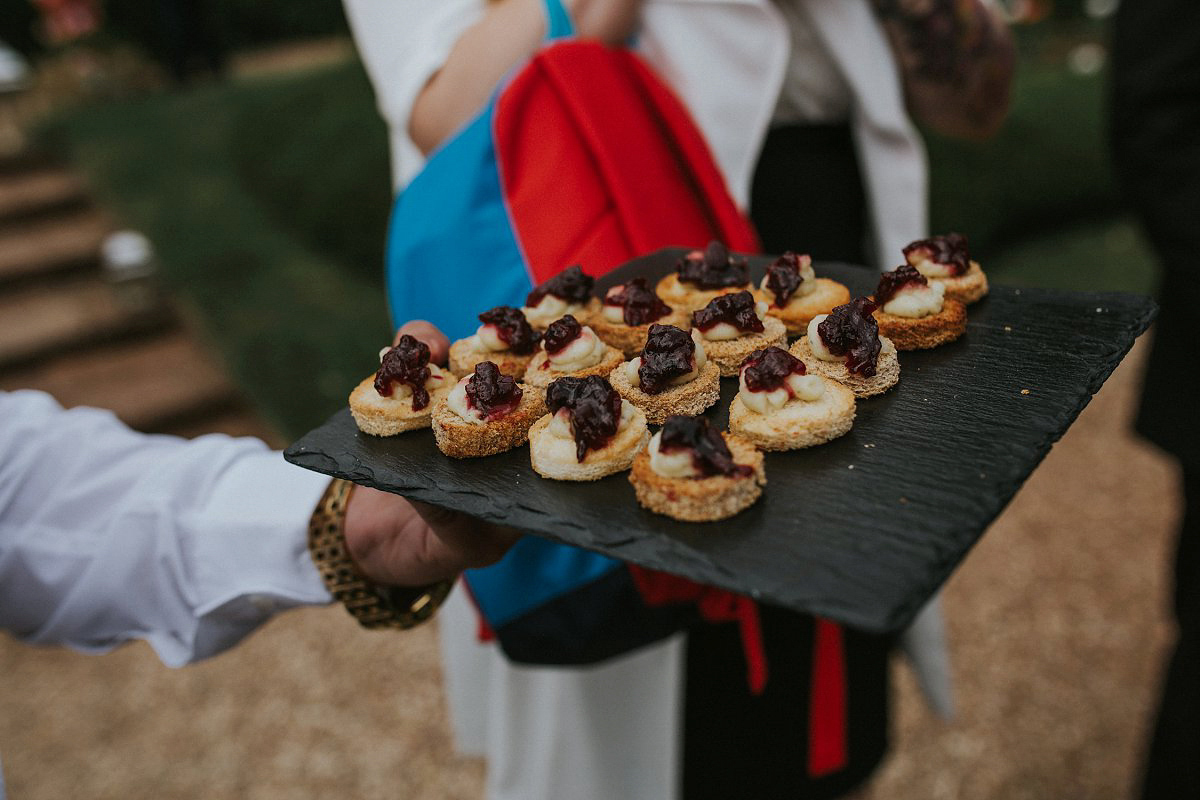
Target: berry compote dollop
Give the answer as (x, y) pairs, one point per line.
(594, 407)
(949, 250)
(512, 328)
(561, 333)
(737, 309)
(710, 454)
(639, 304)
(406, 363)
(669, 353)
(892, 282)
(572, 285)
(715, 268)
(492, 393)
(851, 331)
(784, 278)
(768, 369)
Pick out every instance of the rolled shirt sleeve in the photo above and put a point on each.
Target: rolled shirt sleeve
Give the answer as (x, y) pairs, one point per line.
(403, 43)
(108, 535)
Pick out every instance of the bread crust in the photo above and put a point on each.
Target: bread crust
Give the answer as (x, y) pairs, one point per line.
(701, 499)
(458, 438)
(688, 298)
(689, 398)
(970, 287)
(800, 311)
(887, 369)
(464, 357)
(546, 451)
(922, 333)
(378, 416)
(542, 378)
(630, 339)
(800, 423)
(729, 354)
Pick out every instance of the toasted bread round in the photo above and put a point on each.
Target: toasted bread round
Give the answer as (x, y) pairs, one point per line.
(458, 438)
(701, 499)
(586, 315)
(464, 355)
(554, 458)
(687, 398)
(800, 423)
(540, 376)
(967, 288)
(630, 339)
(681, 295)
(387, 416)
(730, 353)
(922, 333)
(799, 311)
(887, 368)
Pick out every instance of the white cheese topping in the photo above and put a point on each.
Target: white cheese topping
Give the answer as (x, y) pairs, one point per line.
(676, 464)
(808, 284)
(488, 339)
(807, 388)
(931, 269)
(724, 331)
(915, 301)
(587, 350)
(560, 423)
(456, 401)
(816, 343)
(613, 314)
(402, 391)
(548, 309)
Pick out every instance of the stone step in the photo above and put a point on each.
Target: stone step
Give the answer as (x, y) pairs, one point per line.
(52, 246)
(68, 316)
(39, 193)
(163, 383)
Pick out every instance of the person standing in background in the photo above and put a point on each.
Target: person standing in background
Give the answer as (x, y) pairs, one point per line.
(802, 103)
(1155, 131)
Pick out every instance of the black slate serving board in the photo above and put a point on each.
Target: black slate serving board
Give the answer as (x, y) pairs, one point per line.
(862, 530)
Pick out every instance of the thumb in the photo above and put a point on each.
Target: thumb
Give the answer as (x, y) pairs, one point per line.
(427, 332)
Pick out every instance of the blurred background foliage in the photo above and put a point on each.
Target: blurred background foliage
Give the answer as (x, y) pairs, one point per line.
(267, 195)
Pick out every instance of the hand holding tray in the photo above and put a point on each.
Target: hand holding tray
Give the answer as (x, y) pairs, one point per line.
(862, 530)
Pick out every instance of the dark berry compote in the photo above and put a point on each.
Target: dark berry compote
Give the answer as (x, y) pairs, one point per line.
(492, 393)
(710, 454)
(668, 354)
(561, 333)
(512, 328)
(851, 331)
(768, 369)
(715, 268)
(594, 408)
(892, 282)
(638, 303)
(572, 285)
(949, 251)
(406, 363)
(737, 309)
(784, 276)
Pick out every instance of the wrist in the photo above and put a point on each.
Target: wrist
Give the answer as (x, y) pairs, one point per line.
(373, 605)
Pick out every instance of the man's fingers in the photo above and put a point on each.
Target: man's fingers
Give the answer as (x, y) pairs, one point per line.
(477, 542)
(427, 332)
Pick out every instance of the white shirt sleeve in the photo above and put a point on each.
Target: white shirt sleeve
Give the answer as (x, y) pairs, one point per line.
(402, 44)
(108, 535)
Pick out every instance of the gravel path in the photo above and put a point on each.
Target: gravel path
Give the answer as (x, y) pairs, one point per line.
(1057, 629)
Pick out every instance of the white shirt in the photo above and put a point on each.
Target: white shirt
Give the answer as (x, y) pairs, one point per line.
(108, 535)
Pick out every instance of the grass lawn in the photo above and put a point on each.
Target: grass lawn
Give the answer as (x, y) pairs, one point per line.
(267, 200)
